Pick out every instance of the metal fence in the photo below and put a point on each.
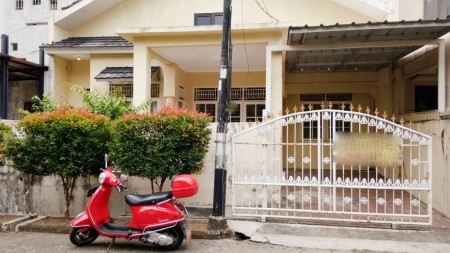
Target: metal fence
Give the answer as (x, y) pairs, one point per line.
(329, 164)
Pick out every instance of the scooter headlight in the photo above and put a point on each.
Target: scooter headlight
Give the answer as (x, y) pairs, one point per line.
(101, 177)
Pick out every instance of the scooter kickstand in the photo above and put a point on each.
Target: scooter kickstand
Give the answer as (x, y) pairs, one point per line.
(111, 244)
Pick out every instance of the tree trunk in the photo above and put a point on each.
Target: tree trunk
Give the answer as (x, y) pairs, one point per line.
(162, 184)
(68, 186)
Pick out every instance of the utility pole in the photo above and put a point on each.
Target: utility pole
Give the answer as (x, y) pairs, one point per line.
(217, 222)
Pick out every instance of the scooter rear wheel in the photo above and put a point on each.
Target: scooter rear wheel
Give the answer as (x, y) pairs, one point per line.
(79, 238)
(177, 235)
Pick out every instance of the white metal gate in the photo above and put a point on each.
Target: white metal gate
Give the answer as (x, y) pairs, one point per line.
(333, 165)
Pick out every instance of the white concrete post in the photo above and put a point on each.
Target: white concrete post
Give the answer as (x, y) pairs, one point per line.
(141, 74)
(170, 87)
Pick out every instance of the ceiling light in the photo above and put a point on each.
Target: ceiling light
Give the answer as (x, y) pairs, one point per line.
(78, 58)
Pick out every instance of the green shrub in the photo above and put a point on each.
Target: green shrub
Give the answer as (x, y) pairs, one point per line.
(159, 146)
(66, 142)
(112, 104)
(4, 129)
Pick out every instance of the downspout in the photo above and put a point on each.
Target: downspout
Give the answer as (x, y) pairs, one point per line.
(5, 78)
(41, 72)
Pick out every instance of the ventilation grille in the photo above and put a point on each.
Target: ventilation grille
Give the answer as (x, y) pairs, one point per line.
(326, 97)
(203, 94)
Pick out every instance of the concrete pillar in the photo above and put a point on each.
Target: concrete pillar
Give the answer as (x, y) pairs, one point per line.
(142, 77)
(274, 85)
(170, 86)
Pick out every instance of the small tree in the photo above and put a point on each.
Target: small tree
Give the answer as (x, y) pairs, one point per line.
(159, 146)
(66, 142)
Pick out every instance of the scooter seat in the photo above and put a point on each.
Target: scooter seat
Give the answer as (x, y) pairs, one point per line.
(147, 199)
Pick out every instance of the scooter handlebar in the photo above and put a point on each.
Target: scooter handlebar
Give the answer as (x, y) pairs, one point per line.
(121, 187)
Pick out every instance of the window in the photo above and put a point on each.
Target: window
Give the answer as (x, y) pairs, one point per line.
(19, 4)
(121, 89)
(53, 4)
(426, 98)
(209, 108)
(247, 104)
(36, 2)
(432, 9)
(14, 46)
(310, 129)
(208, 18)
(181, 96)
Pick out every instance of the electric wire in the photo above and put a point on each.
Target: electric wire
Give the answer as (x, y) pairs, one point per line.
(266, 11)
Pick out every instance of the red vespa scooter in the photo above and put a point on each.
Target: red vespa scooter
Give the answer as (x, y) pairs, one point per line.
(156, 218)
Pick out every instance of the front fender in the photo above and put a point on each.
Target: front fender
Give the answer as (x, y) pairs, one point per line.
(81, 220)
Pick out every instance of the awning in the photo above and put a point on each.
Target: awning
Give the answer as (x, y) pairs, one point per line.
(392, 36)
(119, 73)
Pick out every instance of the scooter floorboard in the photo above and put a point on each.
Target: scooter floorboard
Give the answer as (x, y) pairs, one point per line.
(112, 228)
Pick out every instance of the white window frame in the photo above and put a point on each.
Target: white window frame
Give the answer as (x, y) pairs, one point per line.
(241, 103)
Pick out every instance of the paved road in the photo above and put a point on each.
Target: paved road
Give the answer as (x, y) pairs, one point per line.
(26, 242)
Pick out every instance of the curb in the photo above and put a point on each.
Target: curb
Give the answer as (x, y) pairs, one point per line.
(199, 227)
(26, 225)
(10, 225)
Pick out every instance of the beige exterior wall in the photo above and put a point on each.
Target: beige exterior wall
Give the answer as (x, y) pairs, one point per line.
(175, 20)
(172, 13)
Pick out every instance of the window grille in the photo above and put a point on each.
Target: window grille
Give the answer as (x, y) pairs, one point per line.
(53, 4)
(19, 4)
(326, 97)
(125, 90)
(202, 94)
(154, 90)
(36, 2)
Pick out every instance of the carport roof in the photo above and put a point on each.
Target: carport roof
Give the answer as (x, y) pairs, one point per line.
(392, 37)
(20, 69)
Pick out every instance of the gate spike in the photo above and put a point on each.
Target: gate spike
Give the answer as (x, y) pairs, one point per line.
(295, 108)
(401, 121)
(310, 107)
(376, 112)
(368, 110)
(428, 131)
(330, 105)
(322, 106)
(393, 118)
(359, 108)
(410, 124)
(384, 114)
(257, 121)
(343, 106)
(302, 108)
(351, 107)
(287, 110)
(419, 126)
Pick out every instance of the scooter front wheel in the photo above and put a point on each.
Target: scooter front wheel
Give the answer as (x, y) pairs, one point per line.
(176, 234)
(82, 238)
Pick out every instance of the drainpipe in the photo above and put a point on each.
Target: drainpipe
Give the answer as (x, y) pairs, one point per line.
(41, 72)
(5, 77)
(217, 222)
